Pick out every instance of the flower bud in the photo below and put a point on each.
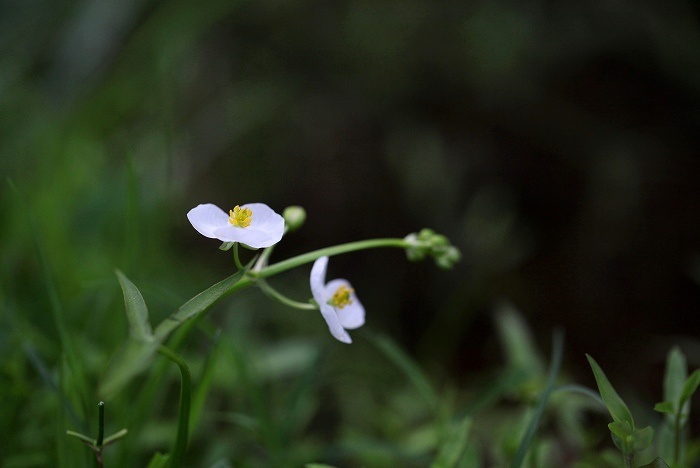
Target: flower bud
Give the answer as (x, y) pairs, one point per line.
(294, 216)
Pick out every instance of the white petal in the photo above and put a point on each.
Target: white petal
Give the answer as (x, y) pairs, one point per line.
(318, 278)
(207, 218)
(266, 228)
(334, 325)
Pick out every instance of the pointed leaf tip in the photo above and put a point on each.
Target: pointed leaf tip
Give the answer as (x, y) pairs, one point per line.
(136, 310)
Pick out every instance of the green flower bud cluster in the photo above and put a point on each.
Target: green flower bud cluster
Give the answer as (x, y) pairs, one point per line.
(428, 243)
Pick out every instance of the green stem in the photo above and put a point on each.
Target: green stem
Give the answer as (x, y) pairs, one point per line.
(236, 258)
(309, 257)
(677, 442)
(100, 424)
(273, 293)
(178, 453)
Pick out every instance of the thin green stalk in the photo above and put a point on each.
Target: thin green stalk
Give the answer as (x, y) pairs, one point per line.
(100, 424)
(677, 443)
(236, 258)
(557, 353)
(273, 293)
(178, 452)
(309, 257)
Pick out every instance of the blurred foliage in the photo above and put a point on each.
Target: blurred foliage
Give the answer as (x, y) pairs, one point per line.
(556, 144)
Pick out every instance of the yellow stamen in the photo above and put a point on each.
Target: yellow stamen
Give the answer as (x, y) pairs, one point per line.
(240, 217)
(341, 297)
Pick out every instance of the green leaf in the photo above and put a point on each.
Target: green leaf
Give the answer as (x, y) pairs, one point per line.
(202, 301)
(517, 342)
(690, 386)
(622, 436)
(409, 368)
(453, 448)
(136, 355)
(666, 407)
(643, 438)
(136, 310)
(617, 408)
(158, 461)
(554, 366)
(656, 463)
(132, 358)
(675, 377)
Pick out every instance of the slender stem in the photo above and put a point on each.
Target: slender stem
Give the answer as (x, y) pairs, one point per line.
(100, 424)
(273, 293)
(236, 258)
(677, 442)
(178, 454)
(309, 257)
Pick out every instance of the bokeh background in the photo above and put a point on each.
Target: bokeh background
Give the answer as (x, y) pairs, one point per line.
(555, 143)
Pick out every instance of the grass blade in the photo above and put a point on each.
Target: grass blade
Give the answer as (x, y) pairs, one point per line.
(554, 366)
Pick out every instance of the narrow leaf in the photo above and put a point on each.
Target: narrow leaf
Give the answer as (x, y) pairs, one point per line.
(617, 408)
(690, 386)
(201, 302)
(452, 450)
(675, 376)
(409, 368)
(656, 463)
(131, 359)
(158, 461)
(666, 407)
(136, 355)
(643, 438)
(554, 366)
(136, 310)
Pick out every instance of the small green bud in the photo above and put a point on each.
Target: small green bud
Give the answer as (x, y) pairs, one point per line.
(428, 243)
(294, 216)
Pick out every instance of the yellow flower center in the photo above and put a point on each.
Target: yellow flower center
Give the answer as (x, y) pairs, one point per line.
(240, 217)
(341, 297)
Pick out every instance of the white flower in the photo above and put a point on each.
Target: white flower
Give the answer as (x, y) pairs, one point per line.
(339, 305)
(255, 224)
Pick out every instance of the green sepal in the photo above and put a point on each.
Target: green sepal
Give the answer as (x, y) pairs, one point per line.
(226, 246)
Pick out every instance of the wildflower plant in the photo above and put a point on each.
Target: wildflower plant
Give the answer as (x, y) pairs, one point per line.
(257, 227)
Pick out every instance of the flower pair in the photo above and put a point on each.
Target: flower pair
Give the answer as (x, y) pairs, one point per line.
(258, 226)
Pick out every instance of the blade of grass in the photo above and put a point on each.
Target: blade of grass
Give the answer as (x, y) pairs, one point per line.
(78, 379)
(554, 366)
(177, 454)
(50, 382)
(296, 403)
(410, 369)
(205, 381)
